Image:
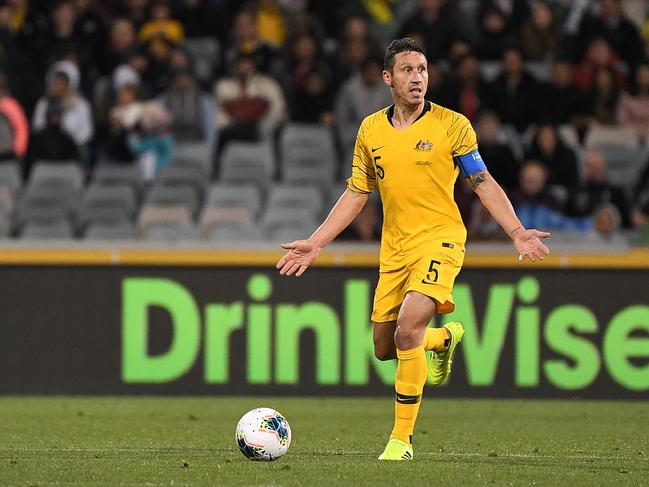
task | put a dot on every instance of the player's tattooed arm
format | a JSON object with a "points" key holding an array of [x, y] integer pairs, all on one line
{"points": [[477, 179]]}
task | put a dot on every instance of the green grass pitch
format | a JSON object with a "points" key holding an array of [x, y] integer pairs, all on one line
{"points": [[157, 441]]}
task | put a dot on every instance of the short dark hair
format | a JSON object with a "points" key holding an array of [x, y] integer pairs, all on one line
{"points": [[405, 44]]}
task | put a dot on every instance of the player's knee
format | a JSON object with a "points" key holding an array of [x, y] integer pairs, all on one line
{"points": [[384, 354], [384, 351], [406, 334]]}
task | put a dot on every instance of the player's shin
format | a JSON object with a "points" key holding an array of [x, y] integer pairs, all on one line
{"points": [[409, 385]]}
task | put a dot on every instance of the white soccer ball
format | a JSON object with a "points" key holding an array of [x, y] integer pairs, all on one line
{"points": [[263, 434]]}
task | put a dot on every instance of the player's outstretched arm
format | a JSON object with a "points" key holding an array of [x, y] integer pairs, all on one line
{"points": [[495, 200], [302, 252]]}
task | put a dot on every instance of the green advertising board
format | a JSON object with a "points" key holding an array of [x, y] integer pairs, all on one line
{"points": [[551, 333]]}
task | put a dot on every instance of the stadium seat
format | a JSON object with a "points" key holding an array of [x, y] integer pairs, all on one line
{"points": [[184, 175], [151, 216], [174, 196], [118, 196], [212, 217], [10, 176], [624, 164], [300, 220], [6, 201], [43, 231], [248, 163], [110, 231], [235, 196], [194, 153], [45, 203], [236, 233], [171, 232], [308, 153], [5, 225], [603, 136], [57, 173], [288, 234], [294, 196], [109, 174]]}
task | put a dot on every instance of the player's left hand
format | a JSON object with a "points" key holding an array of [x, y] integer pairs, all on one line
{"points": [[528, 243]]}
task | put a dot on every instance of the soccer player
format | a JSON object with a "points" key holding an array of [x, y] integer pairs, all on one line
{"points": [[414, 150]]}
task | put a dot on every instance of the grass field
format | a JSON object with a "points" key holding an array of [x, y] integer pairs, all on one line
{"points": [[190, 441]]}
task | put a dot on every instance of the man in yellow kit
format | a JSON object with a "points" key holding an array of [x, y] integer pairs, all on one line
{"points": [[414, 150]]}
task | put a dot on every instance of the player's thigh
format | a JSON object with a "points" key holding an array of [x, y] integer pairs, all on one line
{"points": [[389, 294], [383, 335], [416, 311], [434, 275]]}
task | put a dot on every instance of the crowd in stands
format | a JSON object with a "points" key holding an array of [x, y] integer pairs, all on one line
{"points": [[558, 91]]}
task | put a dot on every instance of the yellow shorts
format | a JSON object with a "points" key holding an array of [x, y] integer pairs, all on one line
{"points": [[433, 275]]}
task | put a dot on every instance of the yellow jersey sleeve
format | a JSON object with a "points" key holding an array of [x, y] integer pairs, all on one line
{"points": [[363, 178], [462, 136]]}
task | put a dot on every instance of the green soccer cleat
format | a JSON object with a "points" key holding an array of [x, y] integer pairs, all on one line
{"points": [[396, 450], [439, 363]]}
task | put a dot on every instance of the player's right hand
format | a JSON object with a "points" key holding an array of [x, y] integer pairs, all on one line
{"points": [[298, 258]]}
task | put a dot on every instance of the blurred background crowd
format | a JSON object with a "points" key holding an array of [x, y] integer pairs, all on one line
{"points": [[234, 120]]}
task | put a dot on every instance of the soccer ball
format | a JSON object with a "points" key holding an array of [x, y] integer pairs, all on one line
{"points": [[263, 434]]}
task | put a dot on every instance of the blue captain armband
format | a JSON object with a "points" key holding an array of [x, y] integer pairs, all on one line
{"points": [[470, 163]]}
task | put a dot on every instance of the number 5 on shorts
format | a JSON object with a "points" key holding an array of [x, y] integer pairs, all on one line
{"points": [[431, 271]]}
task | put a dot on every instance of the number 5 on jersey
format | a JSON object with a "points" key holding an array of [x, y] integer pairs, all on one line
{"points": [[379, 169]]}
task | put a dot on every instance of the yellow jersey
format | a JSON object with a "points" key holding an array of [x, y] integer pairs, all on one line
{"points": [[416, 172]]}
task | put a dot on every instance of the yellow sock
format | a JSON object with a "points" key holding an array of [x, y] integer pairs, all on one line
{"points": [[409, 384], [434, 339]]}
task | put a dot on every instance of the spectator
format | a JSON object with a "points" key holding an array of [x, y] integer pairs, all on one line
{"points": [[515, 94], [603, 99], [596, 191], [361, 95], [533, 194], [162, 32], [559, 159], [122, 45], [563, 102], [135, 10], [442, 89], [61, 40], [308, 83], [246, 41], [472, 92], [123, 118], [52, 142], [271, 23], [606, 226], [16, 61], [640, 198], [495, 32], [62, 84], [249, 105], [540, 34], [435, 24], [611, 24], [152, 143], [599, 55], [203, 18], [500, 158], [633, 107], [536, 205], [91, 31], [351, 54], [14, 127], [190, 108]]}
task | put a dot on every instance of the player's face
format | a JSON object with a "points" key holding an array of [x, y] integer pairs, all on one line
{"points": [[409, 77]]}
